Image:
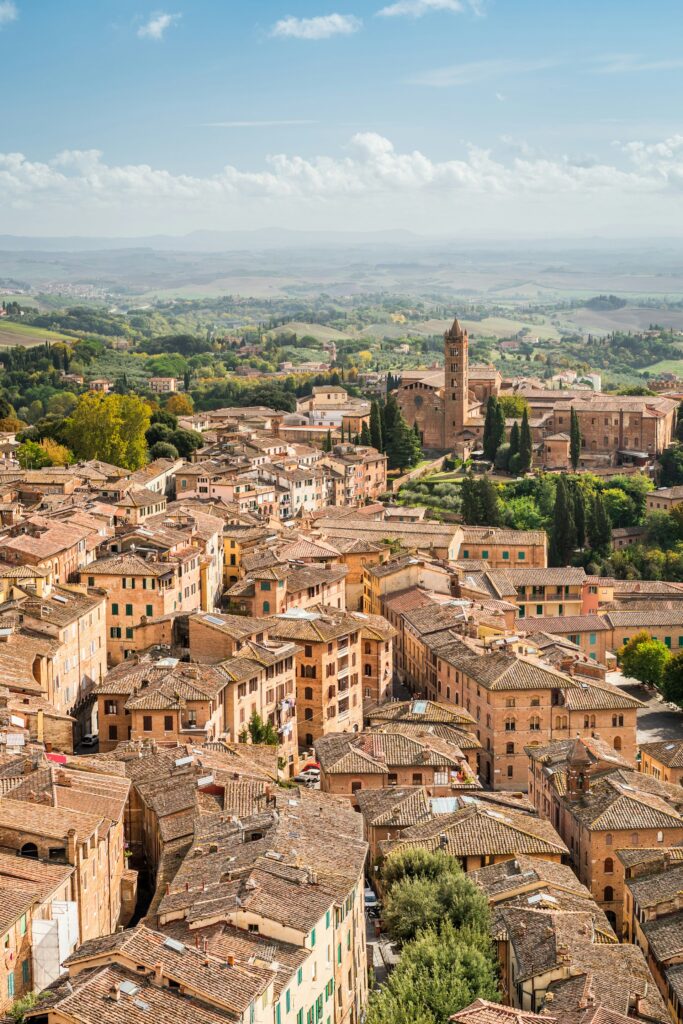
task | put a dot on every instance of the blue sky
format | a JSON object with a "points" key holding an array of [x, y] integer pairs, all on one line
{"points": [[478, 117]]}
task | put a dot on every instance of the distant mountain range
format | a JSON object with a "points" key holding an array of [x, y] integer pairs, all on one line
{"points": [[221, 241], [283, 238]]}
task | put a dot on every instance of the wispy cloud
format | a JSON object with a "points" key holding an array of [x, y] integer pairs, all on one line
{"points": [[418, 8], [8, 12], [321, 27], [628, 63], [257, 124], [156, 26], [480, 70]]}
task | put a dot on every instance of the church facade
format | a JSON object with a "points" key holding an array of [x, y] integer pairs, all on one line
{"points": [[449, 407]]}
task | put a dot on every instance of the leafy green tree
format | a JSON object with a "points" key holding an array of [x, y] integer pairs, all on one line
{"points": [[32, 455], [417, 903], [671, 461], [661, 530], [574, 440], [563, 531], [672, 680], [165, 417], [438, 974], [502, 459], [260, 731], [471, 511], [376, 426], [513, 406], [163, 450], [620, 507], [186, 441], [109, 427], [599, 526], [158, 432], [525, 444], [644, 658], [415, 862]]}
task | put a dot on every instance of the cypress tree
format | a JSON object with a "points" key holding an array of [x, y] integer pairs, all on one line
{"points": [[563, 530], [499, 425], [599, 527], [525, 444], [365, 435], [327, 443], [490, 442], [489, 506], [574, 440], [514, 439], [679, 423], [579, 513], [470, 501], [376, 439], [342, 432]]}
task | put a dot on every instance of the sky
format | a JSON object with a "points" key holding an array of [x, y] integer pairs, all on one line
{"points": [[476, 119]]}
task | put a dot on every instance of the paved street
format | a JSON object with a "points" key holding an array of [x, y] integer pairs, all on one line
{"points": [[656, 721]]}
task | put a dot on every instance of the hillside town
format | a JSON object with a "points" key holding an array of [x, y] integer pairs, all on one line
{"points": [[252, 708]]}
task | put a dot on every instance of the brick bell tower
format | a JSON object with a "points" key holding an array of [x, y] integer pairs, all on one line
{"points": [[456, 383]]}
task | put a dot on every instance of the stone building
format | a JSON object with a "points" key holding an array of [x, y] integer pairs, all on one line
{"points": [[329, 688], [663, 760], [599, 808], [449, 408], [378, 760]]}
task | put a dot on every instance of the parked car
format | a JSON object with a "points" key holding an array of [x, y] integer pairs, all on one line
{"points": [[310, 776], [89, 740], [371, 902]]}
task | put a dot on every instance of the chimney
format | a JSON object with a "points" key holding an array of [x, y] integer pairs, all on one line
{"points": [[231, 960], [71, 846], [158, 973], [115, 994]]}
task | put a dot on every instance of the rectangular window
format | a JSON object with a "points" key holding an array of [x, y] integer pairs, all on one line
{"points": [[506, 556], [265, 584], [114, 608], [327, 919], [22, 924], [484, 555], [299, 975], [10, 986], [115, 633], [465, 554], [149, 610], [539, 609], [592, 638], [168, 723], [91, 581], [129, 632], [300, 1017], [521, 555], [667, 641], [113, 732], [129, 609], [25, 972], [147, 723], [312, 938], [277, 1013], [288, 1001]]}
